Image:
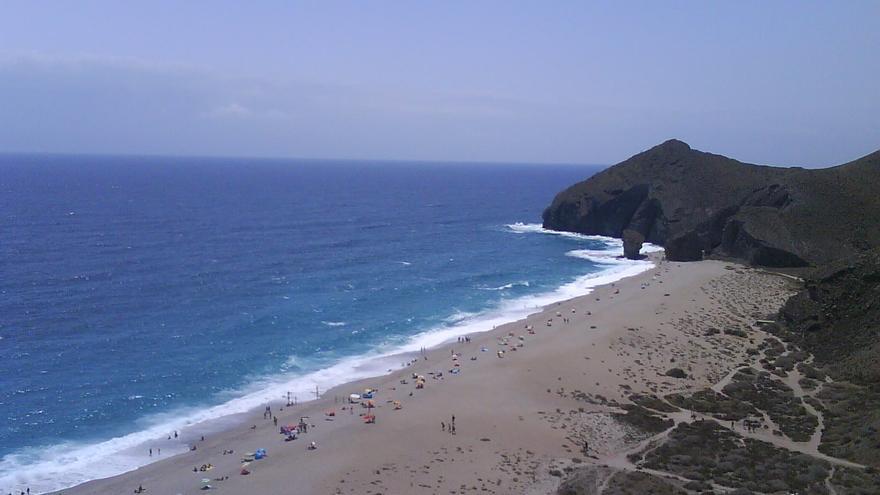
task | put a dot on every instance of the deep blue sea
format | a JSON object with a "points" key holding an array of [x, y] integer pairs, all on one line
{"points": [[142, 295]]}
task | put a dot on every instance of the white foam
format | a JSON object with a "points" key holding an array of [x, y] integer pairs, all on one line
{"points": [[537, 228], [511, 285], [334, 323], [68, 464]]}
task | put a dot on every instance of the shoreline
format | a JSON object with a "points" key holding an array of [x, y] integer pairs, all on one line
{"points": [[613, 269], [536, 361]]}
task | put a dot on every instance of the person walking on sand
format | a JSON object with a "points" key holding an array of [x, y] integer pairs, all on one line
{"points": [[151, 452], [442, 426]]}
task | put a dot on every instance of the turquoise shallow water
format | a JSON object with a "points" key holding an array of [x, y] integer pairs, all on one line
{"points": [[143, 295]]}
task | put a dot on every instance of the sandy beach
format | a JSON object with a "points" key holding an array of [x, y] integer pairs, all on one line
{"points": [[548, 401]]}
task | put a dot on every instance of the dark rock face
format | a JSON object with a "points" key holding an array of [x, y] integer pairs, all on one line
{"points": [[632, 243], [837, 318], [696, 203]]}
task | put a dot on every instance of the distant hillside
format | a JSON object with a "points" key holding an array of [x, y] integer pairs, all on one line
{"points": [[693, 202]]}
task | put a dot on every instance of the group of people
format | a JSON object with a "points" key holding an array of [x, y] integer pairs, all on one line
{"points": [[450, 427], [750, 425]]}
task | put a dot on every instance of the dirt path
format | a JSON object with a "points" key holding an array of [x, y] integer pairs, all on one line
{"points": [[770, 433]]}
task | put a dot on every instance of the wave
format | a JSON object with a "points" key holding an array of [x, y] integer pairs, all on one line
{"points": [[63, 465], [537, 228], [610, 255], [458, 316], [507, 286], [60, 466], [334, 323]]}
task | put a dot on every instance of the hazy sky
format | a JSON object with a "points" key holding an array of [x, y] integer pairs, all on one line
{"points": [[788, 83]]}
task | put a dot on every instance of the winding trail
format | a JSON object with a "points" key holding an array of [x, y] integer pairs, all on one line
{"points": [[792, 380]]}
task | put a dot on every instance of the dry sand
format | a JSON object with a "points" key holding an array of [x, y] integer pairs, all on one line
{"points": [[516, 417]]}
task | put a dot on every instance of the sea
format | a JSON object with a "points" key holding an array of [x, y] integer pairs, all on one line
{"points": [[140, 296]]}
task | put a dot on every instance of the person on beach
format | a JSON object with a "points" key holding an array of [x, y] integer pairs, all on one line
{"points": [[151, 452], [442, 426]]}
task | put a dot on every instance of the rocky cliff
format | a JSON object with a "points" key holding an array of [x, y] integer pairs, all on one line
{"points": [[836, 317], [695, 203]]}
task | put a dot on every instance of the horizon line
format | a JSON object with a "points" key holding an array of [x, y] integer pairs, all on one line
{"points": [[292, 158]]}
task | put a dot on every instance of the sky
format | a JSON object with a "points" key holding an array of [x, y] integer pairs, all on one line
{"points": [[781, 83]]}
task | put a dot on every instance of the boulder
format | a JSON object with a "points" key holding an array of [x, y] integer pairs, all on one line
{"points": [[632, 244]]}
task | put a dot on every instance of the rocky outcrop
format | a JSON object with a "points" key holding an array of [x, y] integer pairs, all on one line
{"points": [[632, 243], [696, 204]]}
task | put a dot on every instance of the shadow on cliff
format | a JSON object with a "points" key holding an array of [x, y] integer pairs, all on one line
{"points": [[698, 204]]}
